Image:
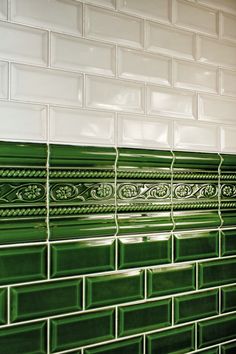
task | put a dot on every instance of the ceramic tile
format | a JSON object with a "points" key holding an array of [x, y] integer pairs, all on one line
{"points": [[112, 289], [228, 27], [3, 306], [196, 219], [144, 317], [228, 242], [228, 348], [4, 79], [228, 138], [208, 351], [228, 217], [228, 296], [226, 5], [228, 81], [218, 272], [127, 347], [3, 9], [106, 3], [216, 110]]}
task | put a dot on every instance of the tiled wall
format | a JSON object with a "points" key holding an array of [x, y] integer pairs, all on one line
{"points": [[116, 251], [153, 73]]}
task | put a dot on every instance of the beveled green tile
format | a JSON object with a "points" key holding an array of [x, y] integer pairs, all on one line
{"points": [[82, 257], [3, 306], [45, 299], [74, 331], [196, 245], [132, 346], [228, 217], [113, 289], [171, 280], [20, 231], [228, 242], [144, 317], [217, 330], [144, 251], [214, 273], [208, 351], [21, 264], [228, 162], [27, 339], [228, 296], [229, 348], [173, 341], [196, 161], [200, 219], [195, 306]]}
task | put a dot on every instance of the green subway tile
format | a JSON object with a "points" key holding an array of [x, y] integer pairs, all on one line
{"points": [[217, 330], [196, 160], [27, 339], [45, 299], [195, 306], [144, 317], [21, 264], [228, 242], [228, 298], [144, 251], [82, 257], [196, 245], [132, 346], [3, 306], [21, 231], [171, 279], [228, 217], [228, 163], [174, 341], [228, 348], [200, 219], [208, 351], [214, 273], [74, 331], [116, 288]]}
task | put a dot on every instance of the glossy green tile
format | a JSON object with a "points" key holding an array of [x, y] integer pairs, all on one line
{"points": [[45, 299], [208, 351], [228, 217], [195, 306], [27, 339], [196, 161], [82, 257], [21, 264], [200, 219], [196, 245], [3, 306], [144, 317], [229, 348], [228, 296], [74, 331], [113, 289], [217, 330], [144, 251], [20, 231], [132, 346], [228, 162], [178, 340], [171, 280], [214, 273], [228, 242]]}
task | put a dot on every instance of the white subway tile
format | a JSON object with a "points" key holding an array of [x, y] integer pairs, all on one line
{"points": [[21, 121], [216, 52], [21, 43], [81, 54], [217, 109], [228, 82], [152, 133], [195, 17], [171, 102], [61, 15], [157, 10], [196, 136], [228, 26], [167, 40], [107, 3], [45, 85], [226, 5], [81, 126], [3, 9], [3, 80], [195, 76], [228, 139], [112, 26], [114, 94], [144, 66]]}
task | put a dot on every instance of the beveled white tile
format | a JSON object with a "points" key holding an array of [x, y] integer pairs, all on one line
{"points": [[216, 52], [217, 109], [81, 54], [21, 43], [3, 9], [195, 76], [21, 121], [114, 27], [114, 94], [133, 64], [143, 132], [3, 79], [170, 41], [61, 15], [157, 10], [228, 138], [227, 5], [171, 102], [107, 3], [196, 136], [81, 126], [195, 17], [228, 82], [44, 85], [228, 27]]}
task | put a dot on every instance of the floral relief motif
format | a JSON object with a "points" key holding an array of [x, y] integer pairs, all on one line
{"points": [[195, 191], [228, 190], [65, 192], [102, 191], [183, 191], [127, 191], [32, 192]]}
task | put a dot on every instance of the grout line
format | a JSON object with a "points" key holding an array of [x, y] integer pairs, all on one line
{"points": [[116, 323], [145, 284], [196, 337], [173, 311], [144, 344], [48, 337], [220, 300], [83, 294], [8, 305], [197, 275]]}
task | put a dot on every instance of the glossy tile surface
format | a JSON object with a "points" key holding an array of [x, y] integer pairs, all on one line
{"points": [[217, 273], [3, 306], [228, 298], [124, 347], [228, 348], [228, 239]]}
